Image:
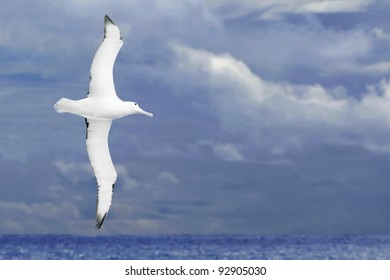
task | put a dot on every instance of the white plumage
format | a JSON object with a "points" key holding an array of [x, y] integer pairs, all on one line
{"points": [[101, 106]]}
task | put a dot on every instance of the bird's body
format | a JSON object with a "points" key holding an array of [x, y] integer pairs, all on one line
{"points": [[100, 108], [96, 108]]}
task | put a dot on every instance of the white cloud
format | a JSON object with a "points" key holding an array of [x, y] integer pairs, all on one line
{"points": [[276, 9], [129, 183], [22, 217], [379, 33], [380, 67], [248, 105], [15, 207], [375, 105], [224, 151], [167, 178], [74, 171], [335, 6], [239, 95], [354, 44], [228, 152]]}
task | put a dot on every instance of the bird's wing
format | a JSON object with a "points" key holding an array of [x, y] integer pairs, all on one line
{"points": [[99, 155], [102, 81]]}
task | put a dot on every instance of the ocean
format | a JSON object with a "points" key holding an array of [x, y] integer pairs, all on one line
{"points": [[194, 247]]}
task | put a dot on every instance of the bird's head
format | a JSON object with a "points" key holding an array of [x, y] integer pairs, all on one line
{"points": [[134, 108]]}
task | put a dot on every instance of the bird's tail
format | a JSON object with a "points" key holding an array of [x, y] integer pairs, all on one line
{"points": [[63, 105]]}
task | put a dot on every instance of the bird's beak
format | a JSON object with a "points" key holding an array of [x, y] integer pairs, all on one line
{"points": [[145, 113], [148, 114]]}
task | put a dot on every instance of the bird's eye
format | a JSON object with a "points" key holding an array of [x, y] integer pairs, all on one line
{"points": [[135, 104]]}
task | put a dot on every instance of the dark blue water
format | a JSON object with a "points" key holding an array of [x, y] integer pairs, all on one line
{"points": [[44, 247]]}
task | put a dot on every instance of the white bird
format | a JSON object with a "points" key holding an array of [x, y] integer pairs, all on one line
{"points": [[100, 108]]}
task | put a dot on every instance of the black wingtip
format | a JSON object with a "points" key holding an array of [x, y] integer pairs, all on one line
{"points": [[108, 20], [99, 221]]}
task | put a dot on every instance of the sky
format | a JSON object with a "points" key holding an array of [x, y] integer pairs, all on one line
{"points": [[270, 117]]}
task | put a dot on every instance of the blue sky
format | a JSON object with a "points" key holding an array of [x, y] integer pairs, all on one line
{"points": [[271, 117]]}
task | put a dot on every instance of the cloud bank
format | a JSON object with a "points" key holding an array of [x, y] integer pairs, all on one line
{"points": [[290, 114]]}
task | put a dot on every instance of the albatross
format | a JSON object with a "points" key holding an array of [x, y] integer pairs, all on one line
{"points": [[100, 108]]}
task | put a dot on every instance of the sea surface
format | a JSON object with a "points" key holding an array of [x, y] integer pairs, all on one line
{"points": [[195, 247]]}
